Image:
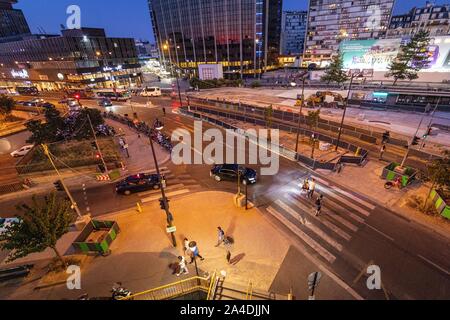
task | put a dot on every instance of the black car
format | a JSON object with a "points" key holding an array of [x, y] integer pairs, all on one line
{"points": [[105, 102], [231, 171], [48, 105], [138, 183]]}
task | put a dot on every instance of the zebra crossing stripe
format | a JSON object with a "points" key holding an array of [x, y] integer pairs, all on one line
{"points": [[170, 194], [326, 223], [346, 202], [348, 195], [307, 239], [311, 226], [171, 187]]}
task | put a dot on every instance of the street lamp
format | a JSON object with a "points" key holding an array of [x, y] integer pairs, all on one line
{"points": [[353, 76], [164, 198], [303, 76]]}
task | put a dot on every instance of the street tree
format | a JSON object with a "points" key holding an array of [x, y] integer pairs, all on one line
{"points": [[6, 105], [411, 58], [439, 173], [335, 72], [40, 227]]}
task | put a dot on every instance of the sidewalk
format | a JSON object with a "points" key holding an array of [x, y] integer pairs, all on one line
{"points": [[143, 251]]}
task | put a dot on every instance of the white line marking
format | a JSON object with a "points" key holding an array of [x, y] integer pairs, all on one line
{"points": [[171, 187], [349, 195], [310, 226], [326, 223], [380, 232], [345, 201], [170, 194], [434, 264], [312, 243]]}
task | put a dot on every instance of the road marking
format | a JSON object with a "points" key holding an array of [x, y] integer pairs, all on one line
{"points": [[326, 223], [343, 222], [434, 264], [311, 227], [349, 195], [171, 187], [345, 201], [308, 240], [170, 194], [380, 232]]}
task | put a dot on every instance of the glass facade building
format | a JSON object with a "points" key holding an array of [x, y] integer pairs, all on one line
{"points": [[293, 32], [12, 22], [242, 35]]}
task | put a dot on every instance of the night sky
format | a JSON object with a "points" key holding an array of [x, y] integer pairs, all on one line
{"points": [[128, 18]]}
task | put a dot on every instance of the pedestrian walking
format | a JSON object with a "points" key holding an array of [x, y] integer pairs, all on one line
{"points": [[195, 252], [305, 186], [220, 236], [164, 111], [182, 266], [228, 242], [312, 188], [382, 151], [319, 203]]}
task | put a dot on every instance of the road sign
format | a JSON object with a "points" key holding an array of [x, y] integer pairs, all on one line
{"points": [[171, 229], [314, 280]]}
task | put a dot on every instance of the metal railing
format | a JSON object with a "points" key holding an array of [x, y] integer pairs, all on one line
{"points": [[249, 294], [177, 289]]}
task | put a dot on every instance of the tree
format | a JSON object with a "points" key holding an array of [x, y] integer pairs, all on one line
{"points": [[334, 73], [47, 132], [439, 173], [412, 57], [41, 226], [6, 105]]}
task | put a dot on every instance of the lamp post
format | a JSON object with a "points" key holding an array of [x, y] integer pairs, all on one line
{"points": [[164, 198], [353, 76], [301, 110]]}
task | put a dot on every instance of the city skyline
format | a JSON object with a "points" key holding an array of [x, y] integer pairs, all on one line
{"points": [[137, 18]]}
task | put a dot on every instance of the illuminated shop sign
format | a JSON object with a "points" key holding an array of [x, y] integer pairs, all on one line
{"points": [[23, 74], [118, 68]]}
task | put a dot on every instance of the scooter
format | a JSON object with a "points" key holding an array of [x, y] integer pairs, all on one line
{"points": [[119, 292]]}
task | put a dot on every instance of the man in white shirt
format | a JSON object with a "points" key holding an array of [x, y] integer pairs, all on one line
{"points": [[312, 188], [183, 267]]}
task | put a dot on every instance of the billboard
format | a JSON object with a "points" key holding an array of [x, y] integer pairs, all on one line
{"points": [[378, 54]]}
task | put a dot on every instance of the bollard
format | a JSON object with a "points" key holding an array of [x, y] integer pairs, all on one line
{"points": [[358, 152], [139, 208]]}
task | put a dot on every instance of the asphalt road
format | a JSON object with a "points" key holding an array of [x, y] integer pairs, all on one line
{"points": [[351, 234]]}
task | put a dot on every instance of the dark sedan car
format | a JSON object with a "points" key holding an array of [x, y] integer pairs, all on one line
{"points": [[105, 102], [231, 171], [138, 183]]}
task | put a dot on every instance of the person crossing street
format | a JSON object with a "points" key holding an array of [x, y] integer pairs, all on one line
{"points": [[319, 203]]}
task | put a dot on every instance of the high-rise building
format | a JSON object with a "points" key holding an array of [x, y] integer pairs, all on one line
{"points": [[332, 21], [293, 32], [13, 24], [242, 35], [78, 58], [432, 18]]}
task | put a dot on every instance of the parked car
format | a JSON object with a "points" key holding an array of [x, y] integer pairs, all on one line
{"points": [[230, 172], [38, 100], [47, 105], [105, 102], [138, 183], [22, 151], [6, 222]]}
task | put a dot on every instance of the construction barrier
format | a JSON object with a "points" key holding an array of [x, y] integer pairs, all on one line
{"points": [[441, 206]]}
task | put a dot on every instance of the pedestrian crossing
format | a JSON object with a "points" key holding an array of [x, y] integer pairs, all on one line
{"points": [[176, 185], [343, 215]]}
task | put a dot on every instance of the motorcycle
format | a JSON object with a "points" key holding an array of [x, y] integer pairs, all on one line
{"points": [[119, 292]]}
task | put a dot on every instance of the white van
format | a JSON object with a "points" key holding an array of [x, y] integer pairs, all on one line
{"points": [[151, 92]]}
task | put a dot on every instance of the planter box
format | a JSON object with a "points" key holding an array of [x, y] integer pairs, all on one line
{"points": [[97, 237], [390, 174], [442, 207]]}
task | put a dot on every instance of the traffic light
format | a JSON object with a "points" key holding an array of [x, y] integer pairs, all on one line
{"points": [[163, 203], [428, 133], [77, 96], [94, 146], [415, 141], [386, 137], [58, 185], [97, 156]]}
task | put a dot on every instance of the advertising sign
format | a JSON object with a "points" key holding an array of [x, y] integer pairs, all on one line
{"points": [[376, 55]]}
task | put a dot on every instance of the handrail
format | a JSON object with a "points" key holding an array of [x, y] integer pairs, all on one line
{"points": [[176, 285], [212, 285]]}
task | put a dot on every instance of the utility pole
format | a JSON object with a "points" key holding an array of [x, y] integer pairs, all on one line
{"points": [[72, 200], [413, 141], [431, 123], [179, 90], [300, 114], [164, 198], [345, 111], [96, 143]]}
